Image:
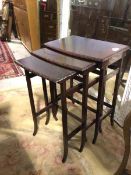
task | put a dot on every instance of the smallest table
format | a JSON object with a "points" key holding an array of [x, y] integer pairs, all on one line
{"points": [[55, 74]]}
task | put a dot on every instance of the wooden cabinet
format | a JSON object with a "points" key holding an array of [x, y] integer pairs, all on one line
{"points": [[88, 22], [48, 22], [119, 35], [27, 21]]}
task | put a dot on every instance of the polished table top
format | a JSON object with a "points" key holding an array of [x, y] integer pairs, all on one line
{"points": [[44, 69], [63, 60], [87, 49]]}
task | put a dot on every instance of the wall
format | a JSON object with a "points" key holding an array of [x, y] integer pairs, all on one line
{"points": [[65, 14]]}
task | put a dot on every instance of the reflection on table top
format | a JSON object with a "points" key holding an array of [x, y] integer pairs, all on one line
{"points": [[85, 48]]}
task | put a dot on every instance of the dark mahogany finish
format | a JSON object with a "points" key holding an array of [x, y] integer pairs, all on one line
{"points": [[63, 60], [83, 67], [57, 74], [49, 71], [103, 53], [87, 49]]}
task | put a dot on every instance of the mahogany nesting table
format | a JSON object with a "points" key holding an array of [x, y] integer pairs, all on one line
{"points": [[71, 58], [104, 54], [58, 75]]}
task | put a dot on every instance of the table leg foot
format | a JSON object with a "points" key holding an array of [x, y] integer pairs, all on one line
{"points": [[100, 128], [95, 135], [47, 118], [35, 127], [82, 147], [65, 155], [54, 115], [112, 121]]}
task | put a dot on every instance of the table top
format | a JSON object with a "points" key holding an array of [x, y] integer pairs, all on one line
{"points": [[87, 49], [63, 60], [46, 70]]}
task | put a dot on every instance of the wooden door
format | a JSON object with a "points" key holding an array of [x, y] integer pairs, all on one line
{"points": [[20, 4], [23, 26]]}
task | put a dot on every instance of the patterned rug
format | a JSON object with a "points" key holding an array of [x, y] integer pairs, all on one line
{"points": [[23, 154], [8, 68]]}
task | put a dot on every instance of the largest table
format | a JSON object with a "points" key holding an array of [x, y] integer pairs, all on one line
{"points": [[104, 54]]}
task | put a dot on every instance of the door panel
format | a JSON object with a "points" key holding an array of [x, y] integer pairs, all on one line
{"points": [[23, 26], [20, 3]]}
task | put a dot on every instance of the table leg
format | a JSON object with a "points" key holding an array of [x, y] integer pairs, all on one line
{"points": [[64, 120], [100, 101], [31, 102], [46, 100], [84, 110], [116, 88], [53, 93]]}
